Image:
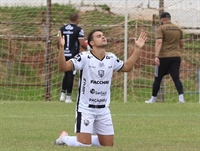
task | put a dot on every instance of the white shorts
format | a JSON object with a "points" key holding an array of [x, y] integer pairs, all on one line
{"points": [[94, 124]]}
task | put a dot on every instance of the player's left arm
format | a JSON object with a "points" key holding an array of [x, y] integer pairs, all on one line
{"points": [[139, 43]]}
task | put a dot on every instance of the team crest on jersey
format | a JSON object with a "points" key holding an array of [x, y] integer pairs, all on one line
{"points": [[86, 122], [101, 73]]}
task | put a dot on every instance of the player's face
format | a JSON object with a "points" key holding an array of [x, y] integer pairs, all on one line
{"points": [[99, 39]]}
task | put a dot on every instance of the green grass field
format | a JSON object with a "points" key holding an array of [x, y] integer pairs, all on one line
{"points": [[33, 126]]}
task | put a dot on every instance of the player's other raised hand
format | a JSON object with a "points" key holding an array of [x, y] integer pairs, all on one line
{"points": [[60, 40], [141, 40]]}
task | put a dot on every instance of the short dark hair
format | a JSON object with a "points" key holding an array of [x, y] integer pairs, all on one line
{"points": [[165, 15], [90, 36], [73, 17]]}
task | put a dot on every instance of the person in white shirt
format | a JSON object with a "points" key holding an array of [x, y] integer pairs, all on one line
{"points": [[96, 67]]}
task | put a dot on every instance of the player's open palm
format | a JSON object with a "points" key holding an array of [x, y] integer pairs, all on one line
{"points": [[61, 41], [141, 40]]}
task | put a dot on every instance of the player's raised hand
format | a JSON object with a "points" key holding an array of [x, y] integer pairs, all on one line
{"points": [[141, 40], [60, 40]]}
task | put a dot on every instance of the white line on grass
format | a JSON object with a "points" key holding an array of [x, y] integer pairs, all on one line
{"points": [[134, 115]]}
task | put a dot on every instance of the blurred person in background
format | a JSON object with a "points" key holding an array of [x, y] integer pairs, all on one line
{"points": [[74, 38], [169, 42]]}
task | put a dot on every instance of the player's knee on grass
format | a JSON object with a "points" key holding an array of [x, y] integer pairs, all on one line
{"points": [[84, 138], [106, 140]]}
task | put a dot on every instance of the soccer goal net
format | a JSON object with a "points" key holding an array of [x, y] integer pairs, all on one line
{"points": [[28, 52]]}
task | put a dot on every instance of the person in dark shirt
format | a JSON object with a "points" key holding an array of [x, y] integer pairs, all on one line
{"points": [[74, 39]]}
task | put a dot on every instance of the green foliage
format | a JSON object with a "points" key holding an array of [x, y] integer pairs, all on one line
{"points": [[194, 46], [60, 13], [105, 7], [4, 49], [192, 60], [22, 73], [148, 69], [27, 15], [3, 53], [101, 18], [22, 92], [143, 81], [20, 20]]}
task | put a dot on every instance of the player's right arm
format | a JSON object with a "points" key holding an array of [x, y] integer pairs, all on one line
{"points": [[81, 40], [63, 65]]}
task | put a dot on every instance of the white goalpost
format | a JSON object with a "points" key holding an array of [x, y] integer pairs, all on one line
{"points": [[125, 47]]}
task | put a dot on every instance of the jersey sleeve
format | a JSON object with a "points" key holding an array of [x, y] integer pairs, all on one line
{"points": [[81, 34], [118, 64], [78, 61]]}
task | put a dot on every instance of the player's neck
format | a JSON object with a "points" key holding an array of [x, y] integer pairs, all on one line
{"points": [[75, 23], [99, 52], [167, 22]]}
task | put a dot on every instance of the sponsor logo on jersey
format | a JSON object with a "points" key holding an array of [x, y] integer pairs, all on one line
{"points": [[68, 54], [84, 83], [97, 100], [107, 57], [67, 32], [99, 82], [66, 50], [101, 73], [92, 67], [93, 91], [69, 27]]}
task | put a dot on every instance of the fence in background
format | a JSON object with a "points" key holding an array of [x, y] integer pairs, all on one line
{"points": [[28, 54]]}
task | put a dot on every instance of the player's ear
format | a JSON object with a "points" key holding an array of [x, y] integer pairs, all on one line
{"points": [[91, 43]]}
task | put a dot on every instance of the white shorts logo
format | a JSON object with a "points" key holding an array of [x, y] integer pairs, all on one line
{"points": [[86, 122]]}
